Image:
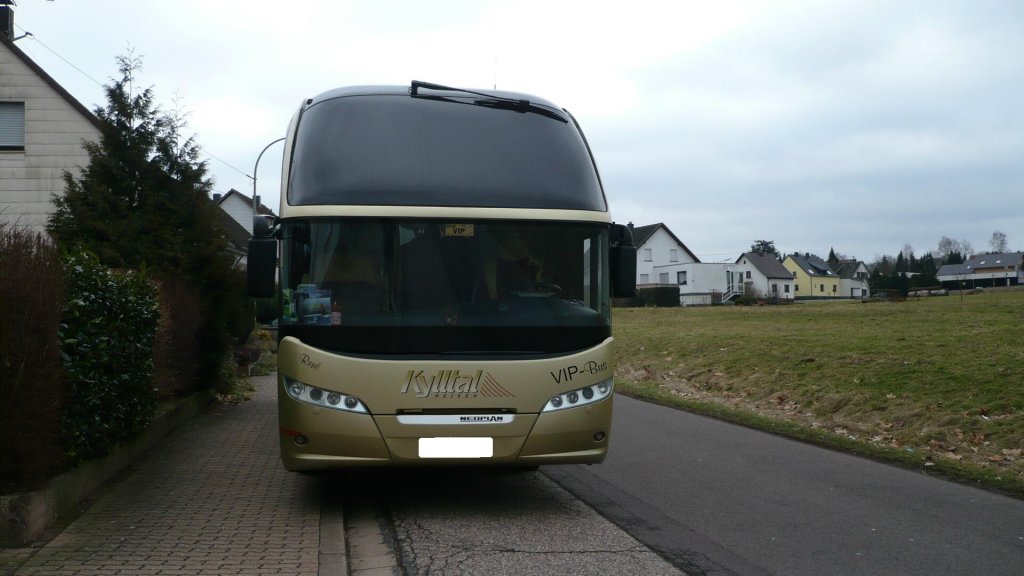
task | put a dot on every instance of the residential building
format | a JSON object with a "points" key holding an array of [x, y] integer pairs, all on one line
{"points": [[853, 279], [984, 270], [765, 277], [42, 128], [812, 276], [237, 208], [663, 259], [657, 247]]}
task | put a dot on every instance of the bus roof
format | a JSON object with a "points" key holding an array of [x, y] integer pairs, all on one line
{"points": [[396, 146]]}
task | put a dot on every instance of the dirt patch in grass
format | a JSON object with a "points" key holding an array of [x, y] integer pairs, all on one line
{"points": [[936, 383]]}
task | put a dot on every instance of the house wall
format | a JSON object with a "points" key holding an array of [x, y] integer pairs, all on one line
{"points": [[853, 288], [761, 285], [702, 279], [807, 286], [54, 131], [660, 244], [240, 209]]}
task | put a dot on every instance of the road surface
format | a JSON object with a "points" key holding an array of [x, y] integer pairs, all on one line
{"points": [[716, 498]]}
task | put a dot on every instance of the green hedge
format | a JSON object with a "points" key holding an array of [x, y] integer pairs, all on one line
{"points": [[658, 296], [106, 335]]}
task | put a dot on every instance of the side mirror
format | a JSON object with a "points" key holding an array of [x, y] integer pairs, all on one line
{"points": [[622, 261], [261, 264], [261, 267]]}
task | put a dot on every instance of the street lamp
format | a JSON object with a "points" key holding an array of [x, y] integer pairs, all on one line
{"points": [[255, 198]]}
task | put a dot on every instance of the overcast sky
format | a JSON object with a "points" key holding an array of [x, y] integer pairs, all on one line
{"points": [[858, 125]]}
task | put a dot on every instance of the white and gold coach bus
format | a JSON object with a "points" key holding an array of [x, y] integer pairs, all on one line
{"points": [[445, 263]]}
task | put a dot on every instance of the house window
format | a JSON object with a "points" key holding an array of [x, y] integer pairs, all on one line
{"points": [[673, 255], [645, 279], [12, 126], [835, 288], [748, 274], [785, 288], [821, 287], [648, 255], [663, 278], [796, 288], [775, 288], [681, 277]]}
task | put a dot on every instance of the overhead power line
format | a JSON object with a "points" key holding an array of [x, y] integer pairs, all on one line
{"points": [[28, 34], [54, 52]]}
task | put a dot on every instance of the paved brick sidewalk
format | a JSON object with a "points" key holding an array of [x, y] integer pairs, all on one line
{"points": [[212, 499]]}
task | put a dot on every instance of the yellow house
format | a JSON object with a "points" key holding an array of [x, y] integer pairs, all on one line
{"points": [[812, 277]]}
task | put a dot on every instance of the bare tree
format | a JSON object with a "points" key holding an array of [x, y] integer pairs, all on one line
{"points": [[998, 242], [947, 245]]}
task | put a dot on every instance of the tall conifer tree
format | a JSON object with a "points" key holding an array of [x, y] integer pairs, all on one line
{"points": [[143, 203]]}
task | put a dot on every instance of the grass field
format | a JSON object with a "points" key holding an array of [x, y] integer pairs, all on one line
{"points": [[936, 382]]}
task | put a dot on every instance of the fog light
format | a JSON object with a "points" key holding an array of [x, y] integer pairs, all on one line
{"points": [[588, 393], [316, 394], [296, 388], [333, 398], [599, 436], [301, 440], [351, 402], [573, 397]]}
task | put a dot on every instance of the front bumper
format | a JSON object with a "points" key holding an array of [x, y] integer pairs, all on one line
{"points": [[314, 438]]}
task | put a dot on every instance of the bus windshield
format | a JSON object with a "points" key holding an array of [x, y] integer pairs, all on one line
{"points": [[449, 286]]}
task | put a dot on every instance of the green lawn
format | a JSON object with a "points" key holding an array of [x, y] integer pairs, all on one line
{"points": [[934, 382]]}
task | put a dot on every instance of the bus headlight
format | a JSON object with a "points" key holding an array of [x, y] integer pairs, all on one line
{"points": [[323, 398], [580, 396]]}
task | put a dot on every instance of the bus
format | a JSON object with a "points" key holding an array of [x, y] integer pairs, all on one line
{"points": [[444, 263]]}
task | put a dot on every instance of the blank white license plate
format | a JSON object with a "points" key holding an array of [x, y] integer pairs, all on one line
{"points": [[456, 447]]}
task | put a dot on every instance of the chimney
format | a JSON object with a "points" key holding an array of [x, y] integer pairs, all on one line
{"points": [[7, 18], [217, 196]]}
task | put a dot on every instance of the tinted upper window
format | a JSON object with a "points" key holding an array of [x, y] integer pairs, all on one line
{"points": [[387, 149]]}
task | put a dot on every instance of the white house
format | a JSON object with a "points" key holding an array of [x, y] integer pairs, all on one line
{"points": [[238, 223], [703, 283], [663, 259], [764, 276], [657, 246], [853, 279], [42, 128]]}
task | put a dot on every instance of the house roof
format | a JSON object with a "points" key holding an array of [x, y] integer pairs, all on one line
{"points": [[262, 209], [641, 234], [812, 265], [847, 269], [50, 81], [952, 270], [1000, 260], [767, 265]]}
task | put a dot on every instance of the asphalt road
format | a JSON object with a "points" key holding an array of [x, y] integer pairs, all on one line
{"points": [[715, 498]]}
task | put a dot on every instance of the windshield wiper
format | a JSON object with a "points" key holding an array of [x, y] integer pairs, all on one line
{"points": [[489, 100]]}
